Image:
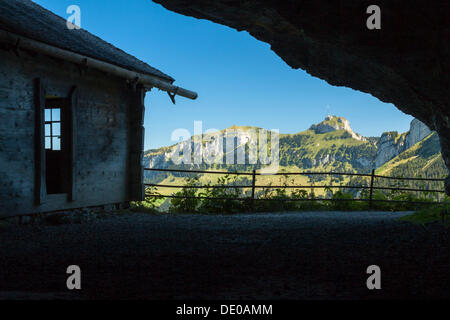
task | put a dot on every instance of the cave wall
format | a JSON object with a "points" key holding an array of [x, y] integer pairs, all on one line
{"points": [[406, 62]]}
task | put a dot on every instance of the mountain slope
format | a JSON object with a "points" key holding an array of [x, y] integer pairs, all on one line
{"points": [[330, 145], [423, 159], [332, 150]]}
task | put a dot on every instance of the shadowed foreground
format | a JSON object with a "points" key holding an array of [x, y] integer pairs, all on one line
{"points": [[259, 256]]}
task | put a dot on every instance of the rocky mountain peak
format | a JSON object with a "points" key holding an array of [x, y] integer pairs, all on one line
{"points": [[335, 123]]}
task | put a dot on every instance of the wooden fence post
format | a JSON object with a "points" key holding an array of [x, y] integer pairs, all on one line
{"points": [[253, 189], [372, 179]]}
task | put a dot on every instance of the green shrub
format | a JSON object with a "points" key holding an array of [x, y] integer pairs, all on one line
{"points": [[268, 200], [151, 202], [227, 203], [272, 199], [344, 202], [437, 213], [186, 204], [380, 203]]}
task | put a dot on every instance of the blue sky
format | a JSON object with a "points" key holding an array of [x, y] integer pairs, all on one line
{"points": [[240, 81]]}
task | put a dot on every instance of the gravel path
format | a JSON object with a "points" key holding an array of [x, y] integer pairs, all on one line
{"points": [[250, 256]]}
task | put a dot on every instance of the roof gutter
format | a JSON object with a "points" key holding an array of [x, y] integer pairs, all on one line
{"points": [[146, 80]]}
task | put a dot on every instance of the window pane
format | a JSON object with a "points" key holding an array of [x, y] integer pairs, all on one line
{"points": [[56, 129], [48, 143], [56, 143], [56, 115], [47, 130], [48, 114]]}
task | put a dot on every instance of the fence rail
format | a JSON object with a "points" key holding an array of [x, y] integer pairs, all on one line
{"points": [[253, 186], [331, 173]]}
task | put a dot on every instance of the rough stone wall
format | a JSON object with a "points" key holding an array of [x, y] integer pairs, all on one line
{"points": [[102, 126], [405, 63]]}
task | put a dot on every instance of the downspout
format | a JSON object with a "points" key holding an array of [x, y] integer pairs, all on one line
{"points": [[146, 80]]}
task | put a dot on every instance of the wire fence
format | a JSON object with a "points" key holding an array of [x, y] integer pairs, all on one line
{"points": [[371, 187]]}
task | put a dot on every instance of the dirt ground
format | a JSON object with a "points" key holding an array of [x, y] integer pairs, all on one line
{"points": [[317, 255]]}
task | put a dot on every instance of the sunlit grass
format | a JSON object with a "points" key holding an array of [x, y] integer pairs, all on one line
{"points": [[439, 213]]}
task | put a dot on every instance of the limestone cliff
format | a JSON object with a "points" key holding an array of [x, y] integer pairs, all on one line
{"points": [[391, 144]]}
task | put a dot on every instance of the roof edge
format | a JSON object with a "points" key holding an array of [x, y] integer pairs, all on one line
{"points": [[146, 80]]}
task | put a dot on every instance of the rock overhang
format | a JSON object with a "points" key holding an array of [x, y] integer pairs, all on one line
{"points": [[405, 62]]}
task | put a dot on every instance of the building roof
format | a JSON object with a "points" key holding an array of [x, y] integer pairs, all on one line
{"points": [[26, 18]]}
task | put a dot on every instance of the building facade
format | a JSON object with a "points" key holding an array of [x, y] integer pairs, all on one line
{"points": [[71, 129]]}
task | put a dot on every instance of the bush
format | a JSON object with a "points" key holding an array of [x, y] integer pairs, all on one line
{"points": [[227, 204], [269, 201], [224, 201], [273, 199], [186, 204], [344, 202], [151, 202]]}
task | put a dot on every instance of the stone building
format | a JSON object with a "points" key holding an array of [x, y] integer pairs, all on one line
{"points": [[71, 110]]}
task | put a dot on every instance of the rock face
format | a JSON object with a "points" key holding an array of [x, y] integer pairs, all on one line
{"points": [[417, 132], [334, 123], [405, 62], [391, 144]]}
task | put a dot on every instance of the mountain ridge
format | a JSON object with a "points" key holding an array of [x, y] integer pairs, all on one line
{"points": [[327, 145]]}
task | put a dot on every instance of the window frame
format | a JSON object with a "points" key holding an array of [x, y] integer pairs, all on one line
{"points": [[51, 122]]}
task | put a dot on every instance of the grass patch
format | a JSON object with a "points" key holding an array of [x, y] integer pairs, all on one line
{"points": [[150, 204], [141, 207], [439, 213]]}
